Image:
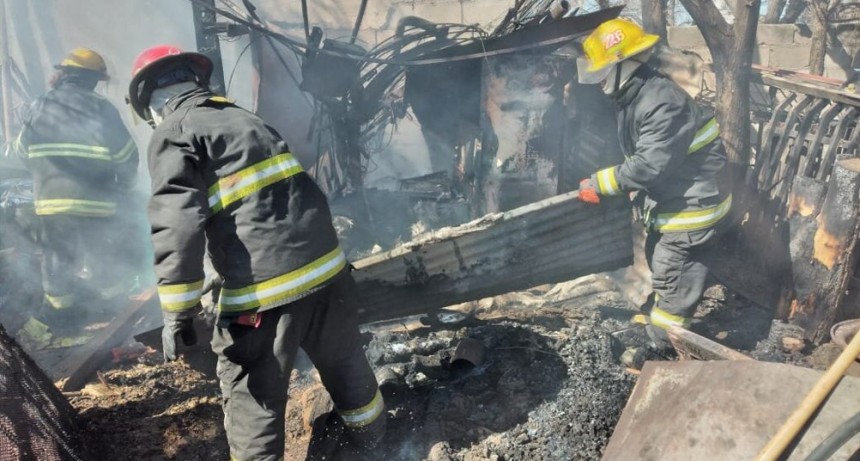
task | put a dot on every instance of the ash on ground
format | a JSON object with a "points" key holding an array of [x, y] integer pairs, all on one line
{"points": [[545, 388]]}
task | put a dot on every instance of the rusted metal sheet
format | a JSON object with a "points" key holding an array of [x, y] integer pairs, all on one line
{"points": [[693, 410], [550, 241]]}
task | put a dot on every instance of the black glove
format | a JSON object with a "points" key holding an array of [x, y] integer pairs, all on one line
{"points": [[177, 323]]}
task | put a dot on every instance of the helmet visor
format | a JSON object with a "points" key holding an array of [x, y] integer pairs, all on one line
{"points": [[586, 77]]}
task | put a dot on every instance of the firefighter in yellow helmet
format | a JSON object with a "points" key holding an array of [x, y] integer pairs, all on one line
{"points": [[83, 162], [673, 155]]}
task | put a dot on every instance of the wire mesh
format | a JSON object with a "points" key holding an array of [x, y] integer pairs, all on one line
{"points": [[36, 421]]}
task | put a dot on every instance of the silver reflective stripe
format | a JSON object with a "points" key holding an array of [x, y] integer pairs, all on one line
{"points": [[607, 182], [69, 150], [250, 179], [365, 415], [192, 295], [705, 135], [693, 220], [292, 283], [664, 319], [125, 152]]}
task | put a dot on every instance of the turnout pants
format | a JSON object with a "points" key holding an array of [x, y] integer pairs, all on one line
{"points": [[678, 271], [68, 244], [254, 365]]}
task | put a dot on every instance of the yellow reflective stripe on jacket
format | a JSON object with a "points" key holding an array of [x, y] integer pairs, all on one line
{"points": [[664, 319], [607, 182], [233, 188], [60, 302], [693, 219], [283, 287], [704, 136], [74, 207], [365, 415], [125, 152], [69, 150], [180, 297]]}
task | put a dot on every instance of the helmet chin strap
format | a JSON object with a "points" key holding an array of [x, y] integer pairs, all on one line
{"points": [[617, 85], [623, 71], [613, 82]]}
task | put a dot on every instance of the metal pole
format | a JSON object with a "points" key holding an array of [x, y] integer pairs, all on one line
{"points": [[4, 74], [207, 41]]}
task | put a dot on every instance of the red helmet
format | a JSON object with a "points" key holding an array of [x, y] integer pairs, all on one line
{"points": [[151, 63]]}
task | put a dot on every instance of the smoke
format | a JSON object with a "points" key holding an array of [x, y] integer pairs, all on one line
{"points": [[38, 36]]}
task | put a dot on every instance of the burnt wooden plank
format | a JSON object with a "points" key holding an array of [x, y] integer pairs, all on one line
{"points": [[812, 89], [762, 158], [692, 346], [829, 158], [851, 146], [550, 241], [816, 150], [83, 364], [782, 131], [792, 161], [823, 257]]}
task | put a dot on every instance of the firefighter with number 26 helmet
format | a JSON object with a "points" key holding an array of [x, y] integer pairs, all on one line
{"points": [[673, 155]]}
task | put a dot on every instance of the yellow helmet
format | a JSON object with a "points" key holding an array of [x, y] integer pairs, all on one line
{"points": [[84, 58], [610, 43]]}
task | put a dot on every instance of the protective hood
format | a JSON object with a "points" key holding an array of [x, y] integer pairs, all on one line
{"points": [[609, 76], [161, 96]]}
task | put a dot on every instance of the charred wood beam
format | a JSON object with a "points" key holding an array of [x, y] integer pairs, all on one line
{"points": [[821, 91], [823, 264], [827, 161], [550, 241], [82, 365], [763, 156], [793, 159], [781, 134], [804, 205], [692, 346], [814, 158]]}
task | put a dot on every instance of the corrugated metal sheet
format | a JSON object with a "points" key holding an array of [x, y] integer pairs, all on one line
{"points": [[550, 241]]}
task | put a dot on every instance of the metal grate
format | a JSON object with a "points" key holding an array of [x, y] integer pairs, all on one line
{"points": [[36, 421]]}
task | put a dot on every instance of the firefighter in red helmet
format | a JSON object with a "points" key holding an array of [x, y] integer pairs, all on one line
{"points": [[221, 177]]}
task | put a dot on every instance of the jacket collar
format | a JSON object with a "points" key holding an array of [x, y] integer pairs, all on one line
{"points": [[631, 89], [192, 97]]}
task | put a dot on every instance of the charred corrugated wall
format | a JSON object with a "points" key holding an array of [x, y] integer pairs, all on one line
{"points": [[36, 421]]}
